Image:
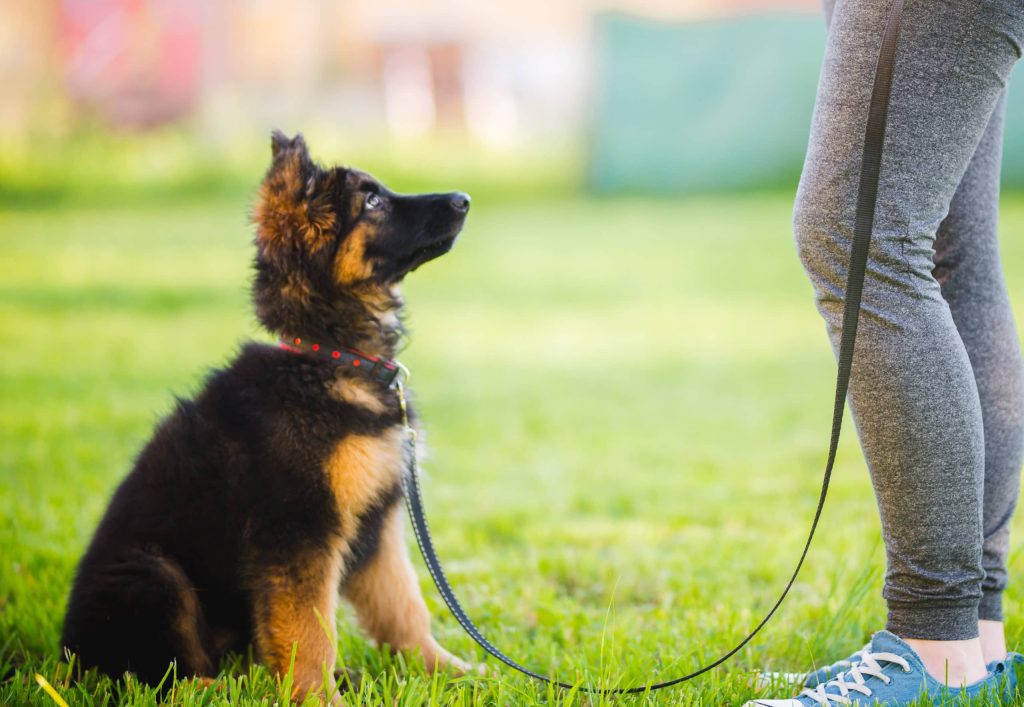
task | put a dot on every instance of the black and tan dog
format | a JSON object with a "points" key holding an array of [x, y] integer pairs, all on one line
{"points": [[277, 488]]}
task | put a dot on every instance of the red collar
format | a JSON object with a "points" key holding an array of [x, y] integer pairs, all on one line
{"points": [[379, 369]]}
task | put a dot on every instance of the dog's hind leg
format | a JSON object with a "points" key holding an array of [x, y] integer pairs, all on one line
{"points": [[386, 596], [138, 613]]}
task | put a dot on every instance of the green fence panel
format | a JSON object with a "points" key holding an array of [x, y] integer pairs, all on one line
{"points": [[1013, 143], [714, 106]]}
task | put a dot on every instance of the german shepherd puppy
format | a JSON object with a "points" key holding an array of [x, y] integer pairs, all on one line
{"points": [[255, 504]]}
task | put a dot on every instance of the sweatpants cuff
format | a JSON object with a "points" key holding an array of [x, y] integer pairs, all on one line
{"points": [[933, 623], [991, 606]]}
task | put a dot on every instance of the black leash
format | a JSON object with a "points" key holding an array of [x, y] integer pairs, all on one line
{"points": [[866, 199]]}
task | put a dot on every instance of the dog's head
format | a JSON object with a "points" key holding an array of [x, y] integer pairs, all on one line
{"points": [[330, 240]]}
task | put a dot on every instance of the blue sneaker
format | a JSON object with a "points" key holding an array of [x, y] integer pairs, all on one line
{"points": [[889, 673], [812, 679], [823, 675], [1007, 669], [830, 672]]}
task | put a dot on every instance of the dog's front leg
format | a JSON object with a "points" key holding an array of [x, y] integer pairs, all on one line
{"points": [[295, 608], [387, 599]]}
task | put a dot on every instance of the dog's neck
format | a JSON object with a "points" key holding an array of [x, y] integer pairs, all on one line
{"points": [[365, 319], [383, 332]]}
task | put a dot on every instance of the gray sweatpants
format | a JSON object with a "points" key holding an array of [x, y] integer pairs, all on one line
{"points": [[937, 391]]}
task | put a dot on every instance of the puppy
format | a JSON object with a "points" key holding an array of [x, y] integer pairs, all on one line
{"points": [[277, 488]]}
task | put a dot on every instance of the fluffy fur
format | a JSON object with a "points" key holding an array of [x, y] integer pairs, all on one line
{"points": [[255, 504]]}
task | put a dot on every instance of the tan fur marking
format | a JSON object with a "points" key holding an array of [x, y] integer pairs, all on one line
{"points": [[361, 468], [320, 224], [350, 264], [296, 606], [358, 392], [285, 216], [387, 599]]}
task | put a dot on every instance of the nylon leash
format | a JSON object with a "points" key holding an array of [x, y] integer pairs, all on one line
{"points": [[867, 197]]}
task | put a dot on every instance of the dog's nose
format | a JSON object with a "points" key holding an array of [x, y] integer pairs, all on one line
{"points": [[459, 201]]}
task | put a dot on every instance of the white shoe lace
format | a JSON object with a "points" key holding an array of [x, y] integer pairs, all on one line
{"points": [[853, 679]]}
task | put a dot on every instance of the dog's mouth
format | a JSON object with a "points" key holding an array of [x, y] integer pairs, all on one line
{"points": [[431, 251]]}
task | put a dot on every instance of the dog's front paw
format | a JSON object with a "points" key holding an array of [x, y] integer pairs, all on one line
{"points": [[460, 667], [437, 658]]}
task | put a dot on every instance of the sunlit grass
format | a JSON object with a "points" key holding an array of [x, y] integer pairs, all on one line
{"points": [[627, 404]]}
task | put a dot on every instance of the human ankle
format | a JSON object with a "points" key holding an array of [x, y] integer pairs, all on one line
{"points": [[953, 663], [993, 640]]}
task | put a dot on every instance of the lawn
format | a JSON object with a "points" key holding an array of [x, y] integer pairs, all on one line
{"points": [[627, 404]]}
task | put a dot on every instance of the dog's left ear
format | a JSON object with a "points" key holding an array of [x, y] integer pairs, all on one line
{"points": [[291, 156], [289, 213], [295, 147], [279, 142]]}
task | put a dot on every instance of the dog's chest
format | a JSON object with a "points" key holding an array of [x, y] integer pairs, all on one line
{"points": [[363, 469]]}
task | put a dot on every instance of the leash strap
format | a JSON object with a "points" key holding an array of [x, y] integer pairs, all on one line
{"points": [[866, 200]]}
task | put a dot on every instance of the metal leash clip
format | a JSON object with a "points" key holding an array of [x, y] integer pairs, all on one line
{"points": [[400, 381]]}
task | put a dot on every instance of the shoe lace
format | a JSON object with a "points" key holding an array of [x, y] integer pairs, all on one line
{"points": [[837, 691]]}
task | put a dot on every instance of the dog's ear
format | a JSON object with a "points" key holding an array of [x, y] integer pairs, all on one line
{"points": [[281, 143], [292, 211], [290, 153]]}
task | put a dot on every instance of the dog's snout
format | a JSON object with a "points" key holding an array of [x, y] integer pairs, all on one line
{"points": [[459, 201]]}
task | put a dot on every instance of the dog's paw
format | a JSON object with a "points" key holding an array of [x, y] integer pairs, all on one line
{"points": [[486, 670], [458, 667], [481, 670], [437, 658]]}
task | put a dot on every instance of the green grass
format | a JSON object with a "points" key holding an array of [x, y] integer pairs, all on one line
{"points": [[627, 404]]}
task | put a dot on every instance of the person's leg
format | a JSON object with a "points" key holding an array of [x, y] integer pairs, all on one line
{"points": [[913, 394], [967, 266], [969, 271], [967, 246]]}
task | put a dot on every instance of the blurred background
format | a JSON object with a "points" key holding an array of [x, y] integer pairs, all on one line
{"points": [[606, 95], [620, 366]]}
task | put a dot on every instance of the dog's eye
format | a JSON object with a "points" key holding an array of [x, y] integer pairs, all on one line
{"points": [[373, 201]]}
